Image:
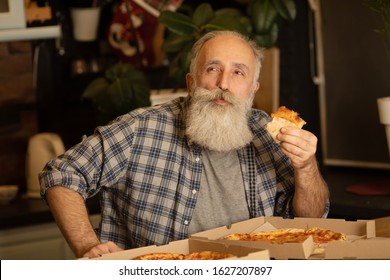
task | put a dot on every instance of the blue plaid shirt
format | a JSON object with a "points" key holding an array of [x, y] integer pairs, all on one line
{"points": [[148, 174]]}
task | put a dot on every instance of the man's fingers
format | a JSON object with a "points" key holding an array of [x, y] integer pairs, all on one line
{"points": [[101, 249]]}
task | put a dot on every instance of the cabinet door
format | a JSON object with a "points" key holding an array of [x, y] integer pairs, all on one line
{"points": [[356, 73]]}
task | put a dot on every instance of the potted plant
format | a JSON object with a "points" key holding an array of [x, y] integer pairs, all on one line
{"points": [[121, 89], [258, 19]]}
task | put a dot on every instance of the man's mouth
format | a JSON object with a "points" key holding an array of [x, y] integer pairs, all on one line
{"points": [[221, 102]]}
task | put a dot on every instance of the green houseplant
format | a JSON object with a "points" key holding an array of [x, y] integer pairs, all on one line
{"points": [[259, 19], [121, 89]]}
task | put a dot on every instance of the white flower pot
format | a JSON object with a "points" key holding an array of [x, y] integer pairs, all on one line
{"points": [[85, 23], [384, 115]]}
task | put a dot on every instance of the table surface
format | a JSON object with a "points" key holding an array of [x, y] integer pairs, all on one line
{"points": [[352, 206]]}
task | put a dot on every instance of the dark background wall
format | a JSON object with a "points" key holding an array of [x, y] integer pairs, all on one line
{"points": [[356, 74]]}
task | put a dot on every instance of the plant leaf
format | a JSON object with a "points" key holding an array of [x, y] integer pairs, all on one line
{"points": [[95, 88], [264, 15], [118, 70], [117, 92], [228, 11], [227, 22], [242, 1], [202, 14], [286, 9], [177, 23], [269, 39], [245, 21], [175, 43]]}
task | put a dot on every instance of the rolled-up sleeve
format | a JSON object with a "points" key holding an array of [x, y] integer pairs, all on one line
{"points": [[96, 161]]}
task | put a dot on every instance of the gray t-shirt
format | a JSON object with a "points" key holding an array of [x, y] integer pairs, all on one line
{"points": [[221, 198]]}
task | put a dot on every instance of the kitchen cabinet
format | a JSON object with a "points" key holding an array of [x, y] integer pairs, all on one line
{"points": [[37, 242]]}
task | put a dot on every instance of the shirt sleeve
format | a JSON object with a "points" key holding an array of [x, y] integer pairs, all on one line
{"points": [[95, 162]]}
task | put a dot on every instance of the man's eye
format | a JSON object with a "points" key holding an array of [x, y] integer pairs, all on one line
{"points": [[210, 69], [239, 73]]}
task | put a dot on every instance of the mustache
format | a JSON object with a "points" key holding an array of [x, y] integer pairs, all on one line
{"points": [[210, 95]]}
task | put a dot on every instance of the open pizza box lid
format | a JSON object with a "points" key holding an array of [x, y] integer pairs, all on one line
{"points": [[353, 230], [188, 246]]}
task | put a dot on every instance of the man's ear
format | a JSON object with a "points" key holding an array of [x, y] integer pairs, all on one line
{"points": [[256, 87], [189, 83]]}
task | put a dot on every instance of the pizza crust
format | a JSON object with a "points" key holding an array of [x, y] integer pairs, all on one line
{"points": [[208, 255], [202, 255], [160, 256], [281, 118]]}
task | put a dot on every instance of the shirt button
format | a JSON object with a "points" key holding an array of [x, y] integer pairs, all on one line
{"points": [[186, 222], [194, 191], [197, 159]]}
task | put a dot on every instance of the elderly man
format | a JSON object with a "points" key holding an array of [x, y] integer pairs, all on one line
{"points": [[189, 165]]}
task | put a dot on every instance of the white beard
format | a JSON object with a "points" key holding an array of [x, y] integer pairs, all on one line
{"points": [[216, 127]]}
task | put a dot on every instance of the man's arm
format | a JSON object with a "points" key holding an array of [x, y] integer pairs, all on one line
{"points": [[71, 215], [311, 191]]}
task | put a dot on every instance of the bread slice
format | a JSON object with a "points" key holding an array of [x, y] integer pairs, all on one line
{"points": [[281, 118]]}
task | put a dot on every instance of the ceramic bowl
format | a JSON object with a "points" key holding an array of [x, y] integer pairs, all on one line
{"points": [[8, 193]]}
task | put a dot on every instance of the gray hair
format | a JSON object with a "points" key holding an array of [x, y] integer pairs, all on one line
{"points": [[257, 51]]}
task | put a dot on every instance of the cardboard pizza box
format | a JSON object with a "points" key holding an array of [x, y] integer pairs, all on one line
{"points": [[382, 227], [188, 246], [376, 248], [353, 229], [372, 247]]}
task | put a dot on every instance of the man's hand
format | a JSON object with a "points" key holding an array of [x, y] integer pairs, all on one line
{"points": [[299, 145], [103, 248]]}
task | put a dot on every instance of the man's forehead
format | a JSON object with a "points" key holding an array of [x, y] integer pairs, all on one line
{"points": [[236, 64], [225, 48]]}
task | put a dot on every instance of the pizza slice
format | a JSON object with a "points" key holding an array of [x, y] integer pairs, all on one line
{"points": [[281, 118], [321, 236]]}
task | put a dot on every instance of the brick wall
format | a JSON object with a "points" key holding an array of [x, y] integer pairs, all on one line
{"points": [[17, 110]]}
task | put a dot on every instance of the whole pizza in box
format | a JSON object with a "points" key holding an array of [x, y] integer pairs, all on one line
{"points": [[292, 235]]}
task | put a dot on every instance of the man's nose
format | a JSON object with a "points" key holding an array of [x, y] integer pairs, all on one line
{"points": [[223, 81]]}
